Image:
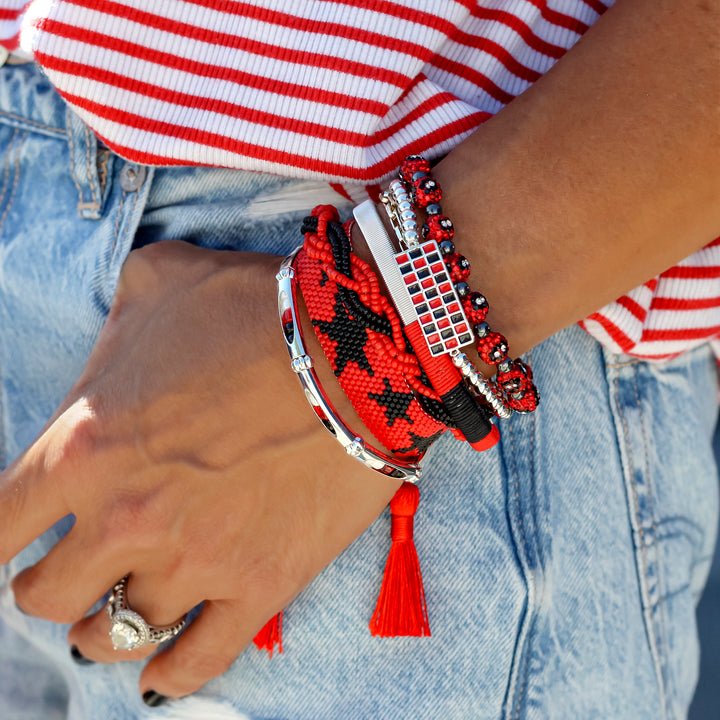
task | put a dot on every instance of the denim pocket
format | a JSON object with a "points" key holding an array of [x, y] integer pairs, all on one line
{"points": [[665, 415]]}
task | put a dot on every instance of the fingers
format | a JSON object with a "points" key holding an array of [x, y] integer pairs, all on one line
{"points": [[92, 638], [31, 503], [68, 581], [143, 595], [206, 649]]}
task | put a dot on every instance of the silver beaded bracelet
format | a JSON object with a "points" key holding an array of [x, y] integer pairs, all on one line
{"points": [[302, 365]]}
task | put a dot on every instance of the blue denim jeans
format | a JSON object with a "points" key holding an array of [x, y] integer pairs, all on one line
{"points": [[562, 567]]}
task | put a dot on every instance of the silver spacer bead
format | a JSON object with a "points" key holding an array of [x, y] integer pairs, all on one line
{"points": [[285, 274], [355, 447], [411, 238], [301, 363]]}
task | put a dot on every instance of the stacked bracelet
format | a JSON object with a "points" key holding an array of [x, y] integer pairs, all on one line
{"points": [[399, 360], [302, 364], [513, 389], [363, 341]]}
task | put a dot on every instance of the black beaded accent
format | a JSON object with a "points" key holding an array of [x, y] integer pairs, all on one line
{"points": [[462, 289], [447, 247], [478, 301], [419, 444], [481, 329], [349, 337], [505, 366], [396, 403], [471, 419], [433, 209]]}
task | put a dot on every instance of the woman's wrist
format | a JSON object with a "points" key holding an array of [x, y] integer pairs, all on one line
{"points": [[567, 199]]}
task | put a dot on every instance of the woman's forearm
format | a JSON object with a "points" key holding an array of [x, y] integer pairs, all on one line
{"points": [[600, 176]]}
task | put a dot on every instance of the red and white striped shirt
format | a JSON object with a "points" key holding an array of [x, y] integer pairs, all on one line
{"points": [[338, 90]]}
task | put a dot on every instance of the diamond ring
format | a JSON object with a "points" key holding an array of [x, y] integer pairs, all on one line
{"points": [[129, 630]]}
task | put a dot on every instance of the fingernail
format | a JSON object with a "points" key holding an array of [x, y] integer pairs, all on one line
{"points": [[79, 658], [153, 699]]}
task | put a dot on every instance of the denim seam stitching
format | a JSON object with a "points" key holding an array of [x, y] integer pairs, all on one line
{"points": [[3, 430], [647, 466], [521, 694], [95, 204], [531, 461], [643, 570], [27, 121], [523, 643], [72, 163], [102, 171], [6, 164], [524, 650], [655, 606], [16, 180], [117, 221]]}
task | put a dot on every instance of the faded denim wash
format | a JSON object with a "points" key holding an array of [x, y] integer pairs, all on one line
{"points": [[562, 568]]}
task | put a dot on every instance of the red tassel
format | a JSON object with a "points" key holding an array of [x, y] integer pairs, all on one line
{"points": [[401, 609], [270, 635]]}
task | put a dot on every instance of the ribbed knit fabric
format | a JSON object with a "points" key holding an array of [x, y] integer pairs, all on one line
{"points": [[336, 90], [667, 315]]}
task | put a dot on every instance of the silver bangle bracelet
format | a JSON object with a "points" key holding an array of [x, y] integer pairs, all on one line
{"points": [[302, 365]]}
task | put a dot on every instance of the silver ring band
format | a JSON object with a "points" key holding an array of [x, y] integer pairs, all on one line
{"points": [[129, 630]]}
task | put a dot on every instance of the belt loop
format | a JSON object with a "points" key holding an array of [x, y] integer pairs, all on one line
{"points": [[84, 167]]}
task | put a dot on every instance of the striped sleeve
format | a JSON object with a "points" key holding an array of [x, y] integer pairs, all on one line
{"points": [[336, 90], [676, 311], [11, 17]]}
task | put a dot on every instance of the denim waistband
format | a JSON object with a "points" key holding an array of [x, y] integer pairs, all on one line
{"points": [[30, 104]]}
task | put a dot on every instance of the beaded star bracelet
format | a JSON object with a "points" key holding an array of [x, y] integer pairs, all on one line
{"points": [[387, 382], [302, 365], [362, 338]]}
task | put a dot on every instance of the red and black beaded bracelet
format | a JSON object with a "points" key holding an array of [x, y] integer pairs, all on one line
{"points": [[424, 298], [363, 341], [415, 189]]}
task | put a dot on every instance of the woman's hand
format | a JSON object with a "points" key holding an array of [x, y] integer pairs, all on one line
{"points": [[191, 460]]}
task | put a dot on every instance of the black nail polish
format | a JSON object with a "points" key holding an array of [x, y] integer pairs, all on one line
{"points": [[79, 658], [153, 699]]}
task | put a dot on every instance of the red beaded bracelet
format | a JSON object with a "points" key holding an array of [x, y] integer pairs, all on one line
{"points": [[382, 380], [513, 389]]}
